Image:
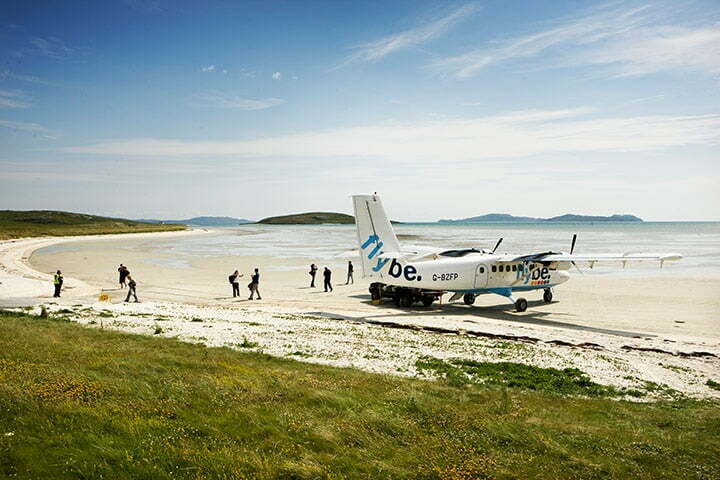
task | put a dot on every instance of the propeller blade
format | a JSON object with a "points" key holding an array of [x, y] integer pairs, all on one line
{"points": [[572, 245], [497, 245]]}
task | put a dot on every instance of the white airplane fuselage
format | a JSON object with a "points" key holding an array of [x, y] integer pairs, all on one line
{"points": [[473, 272]]}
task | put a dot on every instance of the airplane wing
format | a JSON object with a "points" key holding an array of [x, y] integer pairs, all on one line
{"points": [[592, 259]]}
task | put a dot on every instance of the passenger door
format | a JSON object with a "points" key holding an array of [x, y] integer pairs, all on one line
{"points": [[481, 276]]}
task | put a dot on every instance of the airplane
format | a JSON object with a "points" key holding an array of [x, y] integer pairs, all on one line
{"points": [[424, 275]]}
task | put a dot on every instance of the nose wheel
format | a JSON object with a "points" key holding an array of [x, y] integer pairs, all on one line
{"points": [[547, 295]]}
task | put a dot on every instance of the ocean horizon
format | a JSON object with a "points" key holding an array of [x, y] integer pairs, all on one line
{"points": [[698, 242]]}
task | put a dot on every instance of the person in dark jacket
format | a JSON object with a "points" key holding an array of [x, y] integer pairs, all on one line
{"points": [[235, 282], [255, 285], [350, 278], [327, 275], [57, 283], [313, 271], [131, 289], [123, 272]]}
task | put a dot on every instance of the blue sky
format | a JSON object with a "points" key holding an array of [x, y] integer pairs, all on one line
{"points": [[448, 109]]}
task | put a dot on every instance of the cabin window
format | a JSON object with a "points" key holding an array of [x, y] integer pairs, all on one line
{"points": [[514, 268], [494, 268], [507, 268], [482, 269]]}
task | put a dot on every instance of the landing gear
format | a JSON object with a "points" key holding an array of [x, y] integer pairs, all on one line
{"points": [[404, 297], [547, 295], [469, 298], [520, 305], [405, 300]]}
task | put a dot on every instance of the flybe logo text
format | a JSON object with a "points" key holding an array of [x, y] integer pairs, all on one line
{"points": [[396, 268]]}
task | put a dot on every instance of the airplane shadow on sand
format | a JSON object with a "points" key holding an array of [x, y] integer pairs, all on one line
{"points": [[495, 312]]}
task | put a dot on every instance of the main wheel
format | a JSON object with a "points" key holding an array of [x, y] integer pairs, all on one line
{"points": [[521, 305], [427, 300], [375, 291], [469, 298], [406, 300], [547, 295]]}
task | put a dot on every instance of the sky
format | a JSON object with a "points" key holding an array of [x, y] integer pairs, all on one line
{"points": [[174, 109]]}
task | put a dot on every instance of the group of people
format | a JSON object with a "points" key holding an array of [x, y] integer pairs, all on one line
{"points": [[126, 280], [327, 276], [253, 286]]}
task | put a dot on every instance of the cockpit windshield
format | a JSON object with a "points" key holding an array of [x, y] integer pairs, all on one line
{"points": [[459, 253]]}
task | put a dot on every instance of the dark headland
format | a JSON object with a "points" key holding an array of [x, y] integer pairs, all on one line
{"points": [[310, 218], [38, 223]]}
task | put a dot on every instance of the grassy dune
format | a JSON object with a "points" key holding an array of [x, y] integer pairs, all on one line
{"points": [[311, 218], [86, 403], [38, 223]]}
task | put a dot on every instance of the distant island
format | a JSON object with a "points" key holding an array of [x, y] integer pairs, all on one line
{"points": [[201, 221], [310, 218], [567, 218], [38, 223]]}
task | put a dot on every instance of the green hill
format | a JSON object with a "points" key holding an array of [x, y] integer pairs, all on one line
{"points": [[38, 223], [310, 218]]}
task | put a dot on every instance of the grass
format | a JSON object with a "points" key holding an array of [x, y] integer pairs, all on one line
{"points": [[713, 384], [247, 344], [77, 402], [568, 381], [38, 223]]}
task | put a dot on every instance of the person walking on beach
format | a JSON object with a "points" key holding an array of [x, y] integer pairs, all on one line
{"points": [[254, 285], [123, 272], [327, 274], [350, 278], [131, 289], [313, 271], [57, 283], [235, 282]]}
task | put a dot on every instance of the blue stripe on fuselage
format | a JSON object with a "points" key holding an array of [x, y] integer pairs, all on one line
{"points": [[503, 291]]}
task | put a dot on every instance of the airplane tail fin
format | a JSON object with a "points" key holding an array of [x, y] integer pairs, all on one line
{"points": [[375, 235]]}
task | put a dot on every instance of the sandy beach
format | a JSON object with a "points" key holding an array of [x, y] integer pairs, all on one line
{"points": [[635, 332]]}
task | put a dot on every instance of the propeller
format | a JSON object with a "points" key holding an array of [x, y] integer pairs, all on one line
{"points": [[572, 249], [497, 245]]}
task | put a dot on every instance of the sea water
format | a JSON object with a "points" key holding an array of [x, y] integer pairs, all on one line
{"points": [[698, 242]]}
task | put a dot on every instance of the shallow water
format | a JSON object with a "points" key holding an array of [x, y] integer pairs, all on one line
{"points": [[699, 242]]}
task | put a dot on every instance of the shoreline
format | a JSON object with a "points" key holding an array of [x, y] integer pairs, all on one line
{"points": [[18, 279], [599, 325]]}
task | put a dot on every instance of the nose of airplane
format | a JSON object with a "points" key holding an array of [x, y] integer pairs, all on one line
{"points": [[562, 277]]}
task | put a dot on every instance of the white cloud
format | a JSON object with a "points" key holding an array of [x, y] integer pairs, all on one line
{"points": [[24, 78], [32, 128], [13, 99], [513, 135], [380, 48], [209, 68], [216, 99], [629, 41], [53, 47], [276, 76]]}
